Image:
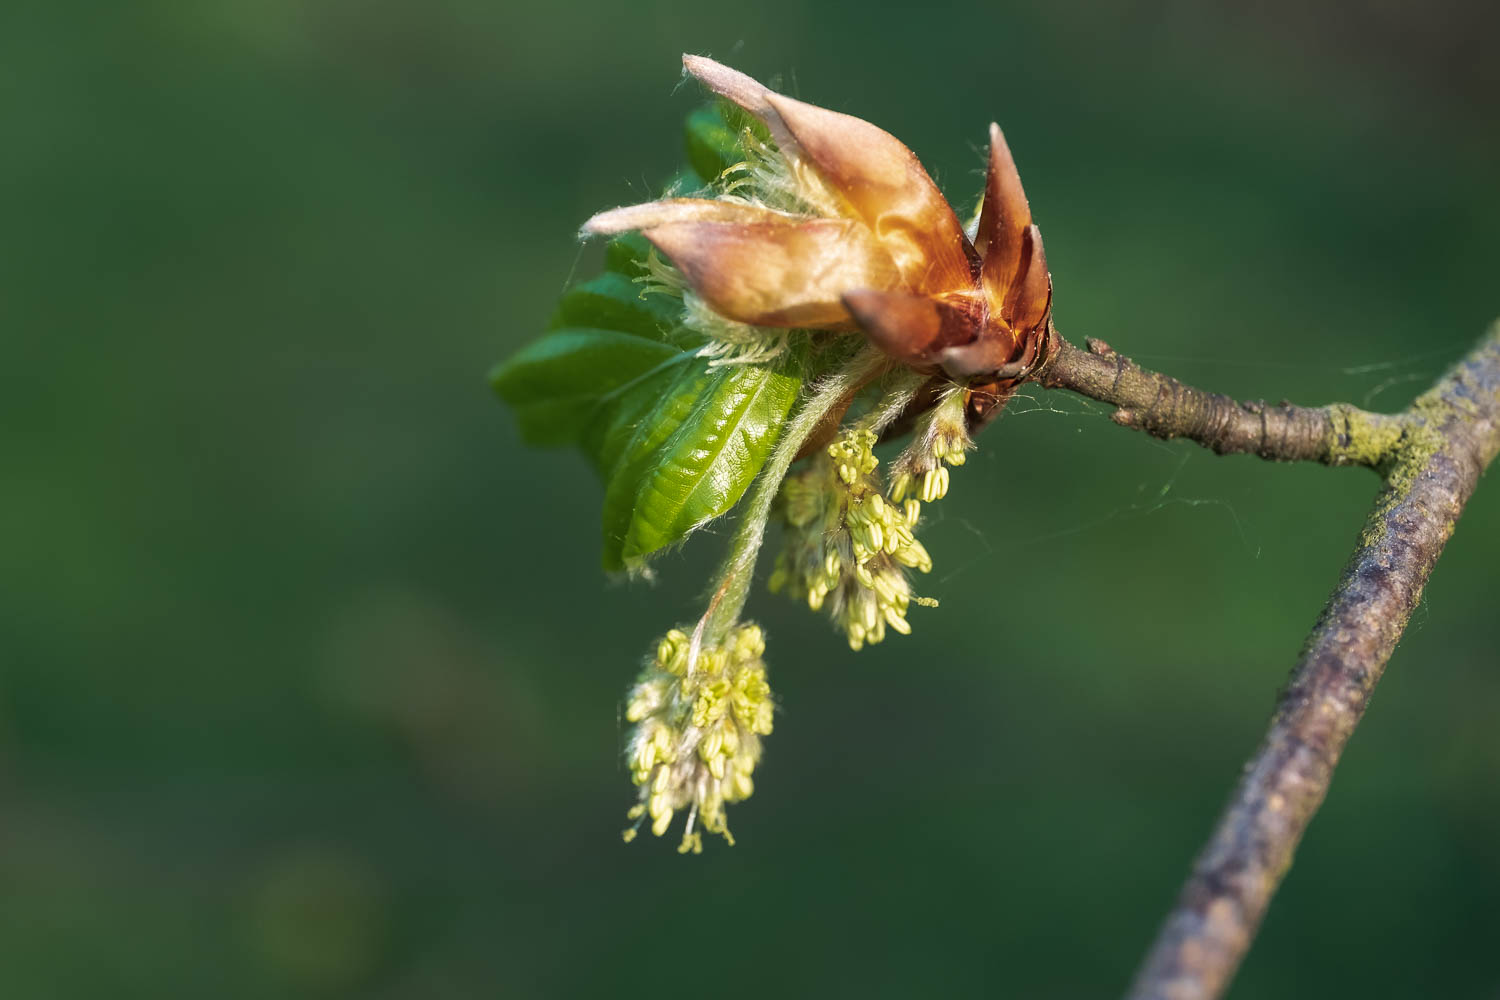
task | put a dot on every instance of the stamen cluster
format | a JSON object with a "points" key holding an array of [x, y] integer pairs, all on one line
{"points": [[848, 542], [942, 439], [698, 716]]}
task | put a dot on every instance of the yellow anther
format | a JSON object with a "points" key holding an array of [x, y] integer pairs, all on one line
{"points": [[698, 731], [856, 636], [660, 823], [895, 621]]}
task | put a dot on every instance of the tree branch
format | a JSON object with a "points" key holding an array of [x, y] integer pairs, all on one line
{"points": [[1338, 434], [1447, 438]]}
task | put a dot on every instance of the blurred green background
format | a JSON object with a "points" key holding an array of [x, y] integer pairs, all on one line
{"points": [[309, 682]]}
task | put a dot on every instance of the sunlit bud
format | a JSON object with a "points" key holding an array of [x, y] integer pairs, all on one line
{"points": [[836, 225], [674, 210], [776, 274]]}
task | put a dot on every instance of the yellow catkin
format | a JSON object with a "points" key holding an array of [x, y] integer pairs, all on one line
{"points": [[699, 717]]}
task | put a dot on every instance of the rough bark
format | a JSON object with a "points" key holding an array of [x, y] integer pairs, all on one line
{"points": [[1431, 458], [1160, 405]]}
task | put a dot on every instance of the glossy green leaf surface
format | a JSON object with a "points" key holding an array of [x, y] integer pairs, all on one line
{"points": [[675, 441], [726, 424], [629, 455], [613, 301], [557, 384]]}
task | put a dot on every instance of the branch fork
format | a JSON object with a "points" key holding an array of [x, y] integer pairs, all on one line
{"points": [[1430, 459]]}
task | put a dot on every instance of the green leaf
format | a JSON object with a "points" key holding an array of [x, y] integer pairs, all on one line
{"points": [[628, 454], [614, 302], [607, 335], [675, 441], [693, 456], [556, 385], [610, 437]]}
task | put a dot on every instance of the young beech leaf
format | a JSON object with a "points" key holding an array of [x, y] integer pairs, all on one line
{"points": [[614, 302], [675, 441], [606, 336], [556, 384], [607, 440], [629, 454], [706, 465]]}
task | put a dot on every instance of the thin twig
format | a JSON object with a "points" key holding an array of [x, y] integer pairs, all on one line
{"points": [[1338, 434], [1448, 437]]}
